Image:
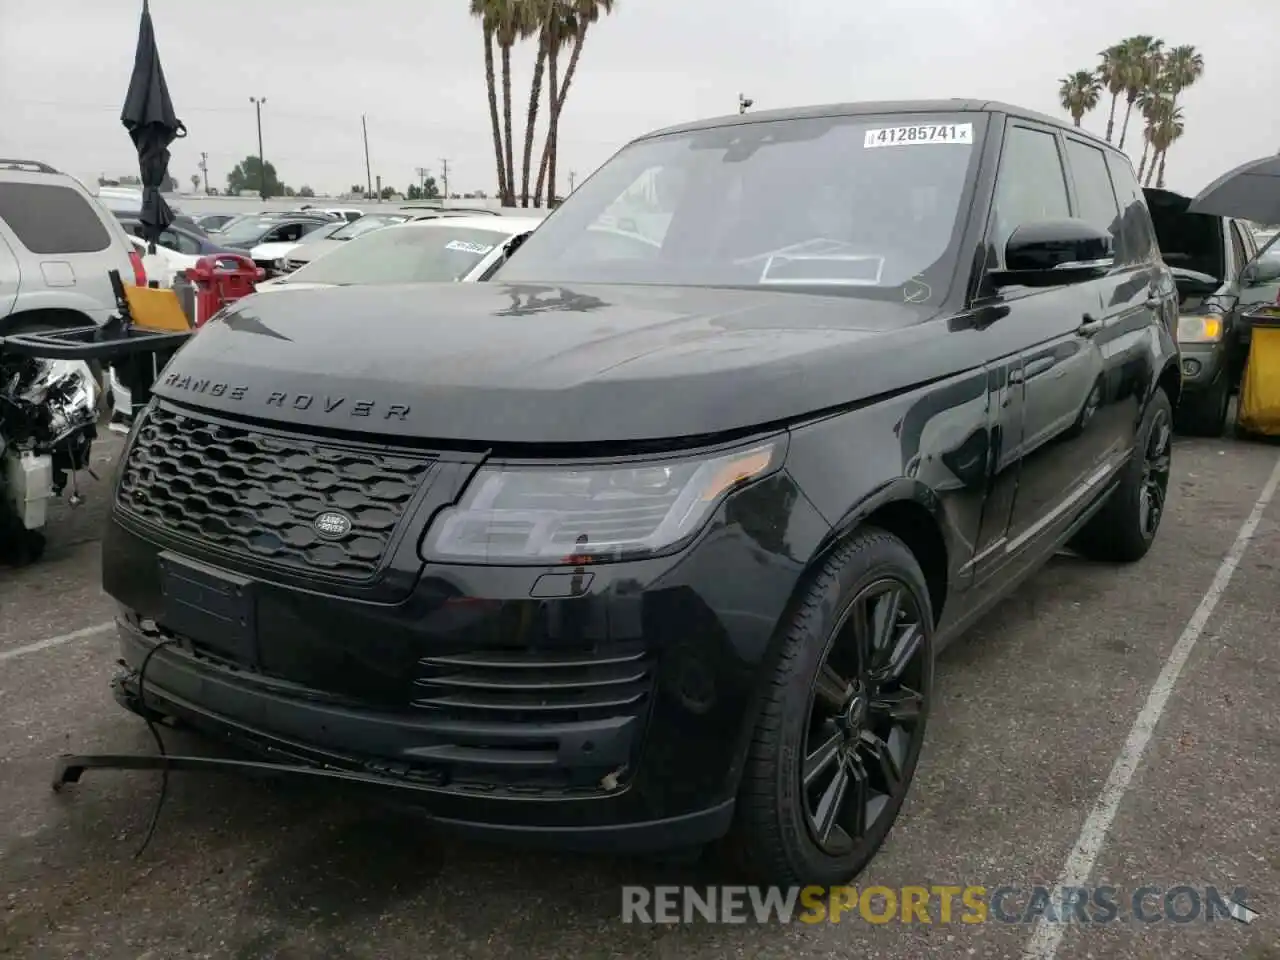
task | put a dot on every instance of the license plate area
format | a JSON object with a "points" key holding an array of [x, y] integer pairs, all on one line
{"points": [[211, 608]]}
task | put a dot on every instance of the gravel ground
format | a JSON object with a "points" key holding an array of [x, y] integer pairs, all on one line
{"points": [[1037, 703]]}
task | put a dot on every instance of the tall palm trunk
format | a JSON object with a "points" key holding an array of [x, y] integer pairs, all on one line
{"points": [[1160, 176], [553, 126], [1151, 169], [558, 99], [535, 97], [491, 82], [1124, 129], [1142, 165], [1111, 118], [510, 199]]}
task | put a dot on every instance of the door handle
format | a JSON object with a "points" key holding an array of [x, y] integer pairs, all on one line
{"points": [[1089, 327], [1153, 302]]}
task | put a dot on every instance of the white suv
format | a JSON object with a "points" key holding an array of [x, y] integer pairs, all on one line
{"points": [[57, 247]]}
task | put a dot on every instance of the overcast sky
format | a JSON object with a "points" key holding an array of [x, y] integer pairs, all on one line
{"points": [[415, 68]]}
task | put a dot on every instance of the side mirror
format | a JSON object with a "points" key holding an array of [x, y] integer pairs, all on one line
{"points": [[1055, 252], [1259, 272]]}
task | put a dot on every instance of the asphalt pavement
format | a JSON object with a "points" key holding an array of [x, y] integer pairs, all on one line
{"points": [[1066, 746]]}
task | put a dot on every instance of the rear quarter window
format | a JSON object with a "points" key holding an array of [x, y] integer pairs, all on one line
{"points": [[52, 220]]}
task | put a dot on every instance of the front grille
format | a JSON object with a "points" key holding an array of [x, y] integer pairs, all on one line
{"points": [[291, 265], [535, 718], [259, 495]]}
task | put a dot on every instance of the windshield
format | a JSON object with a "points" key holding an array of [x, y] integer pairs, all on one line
{"points": [[248, 229], [370, 221], [868, 205], [411, 254]]}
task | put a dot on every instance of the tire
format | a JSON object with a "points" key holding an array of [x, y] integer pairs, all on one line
{"points": [[1205, 414], [776, 832], [1126, 526]]}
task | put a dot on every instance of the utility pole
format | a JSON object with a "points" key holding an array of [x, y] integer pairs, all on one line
{"points": [[204, 169], [444, 176], [572, 179], [379, 193], [262, 163], [744, 103], [367, 174], [423, 172]]}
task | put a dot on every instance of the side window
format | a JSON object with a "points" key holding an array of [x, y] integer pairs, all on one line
{"points": [[1094, 194], [291, 232], [188, 244], [1030, 186], [169, 240], [1137, 241], [52, 220]]}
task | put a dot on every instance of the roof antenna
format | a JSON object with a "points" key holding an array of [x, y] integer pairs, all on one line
{"points": [[744, 103]]}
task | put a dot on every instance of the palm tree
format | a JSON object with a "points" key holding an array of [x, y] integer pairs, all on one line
{"points": [[512, 26], [1079, 93], [538, 18], [1169, 128], [1142, 66], [561, 27], [1113, 76], [1152, 104], [583, 13], [491, 14], [1182, 67]]}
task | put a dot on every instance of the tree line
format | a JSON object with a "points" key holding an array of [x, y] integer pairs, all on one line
{"points": [[556, 27], [1150, 77]]}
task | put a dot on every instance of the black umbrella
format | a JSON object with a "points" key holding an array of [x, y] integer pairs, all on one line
{"points": [[1249, 192], [148, 116]]}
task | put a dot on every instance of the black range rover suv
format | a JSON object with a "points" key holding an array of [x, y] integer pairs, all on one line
{"points": [[653, 539]]}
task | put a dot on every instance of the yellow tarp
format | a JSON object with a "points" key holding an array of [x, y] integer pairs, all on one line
{"points": [[1260, 393]]}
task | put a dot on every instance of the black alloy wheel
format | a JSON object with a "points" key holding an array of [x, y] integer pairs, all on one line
{"points": [[842, 721], [1156, 461], [865, 717]]}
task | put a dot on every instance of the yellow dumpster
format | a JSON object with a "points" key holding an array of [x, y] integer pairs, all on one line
{"points": [[1259, 407]]}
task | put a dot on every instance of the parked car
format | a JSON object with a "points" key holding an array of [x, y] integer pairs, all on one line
{"points": [[343, 213], [180, 239], [1208, 256], [439, 250], [58, 245], [174, 261], [210, 222], [659, 537], [243, 235], [271, 257], [301, 256]]}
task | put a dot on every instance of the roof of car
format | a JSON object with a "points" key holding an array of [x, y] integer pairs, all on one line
{"points": [[871, 108], [494, 224]]}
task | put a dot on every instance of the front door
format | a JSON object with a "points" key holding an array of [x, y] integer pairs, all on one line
{"points": [[1059, 365]]}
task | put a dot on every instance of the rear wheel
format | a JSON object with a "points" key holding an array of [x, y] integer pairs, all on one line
{"points": [[1204, 414], [1124, 529], [841, 728]]}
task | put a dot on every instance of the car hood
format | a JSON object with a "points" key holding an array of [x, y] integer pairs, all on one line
{"points": [[494, 363], [274, 286], [309, 251], [272, 251]]}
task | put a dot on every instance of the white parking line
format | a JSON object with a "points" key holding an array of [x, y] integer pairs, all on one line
{"points": [[1048, 934], [57, 641]]}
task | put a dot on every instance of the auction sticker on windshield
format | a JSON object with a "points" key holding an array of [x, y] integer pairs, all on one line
{"points": [[466, 246], [922, 134]]}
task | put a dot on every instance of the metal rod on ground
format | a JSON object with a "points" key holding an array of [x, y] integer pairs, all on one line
{"points": [[262, 161]]}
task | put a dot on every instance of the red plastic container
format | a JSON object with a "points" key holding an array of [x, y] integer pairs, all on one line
{"points": [[220, 280]]}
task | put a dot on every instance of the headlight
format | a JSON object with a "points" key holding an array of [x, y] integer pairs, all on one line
{"points": [[280, 265], [1202, 328], [567, 515]]}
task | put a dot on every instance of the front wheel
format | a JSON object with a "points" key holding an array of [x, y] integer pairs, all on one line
{"points": [[1205, 414], [1124, 529], [843, 720]]}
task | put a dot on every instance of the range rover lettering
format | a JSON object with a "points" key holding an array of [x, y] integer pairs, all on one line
{"points": [[651, 541]]}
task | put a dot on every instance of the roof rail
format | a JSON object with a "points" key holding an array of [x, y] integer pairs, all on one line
{"points": [[35, 166]]}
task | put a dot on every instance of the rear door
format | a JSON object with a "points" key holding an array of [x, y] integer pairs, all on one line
{"points": [[1131, 307]]}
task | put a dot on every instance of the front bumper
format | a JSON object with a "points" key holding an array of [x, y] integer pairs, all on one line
{"points": [[610, 708], [1202, 363]]}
